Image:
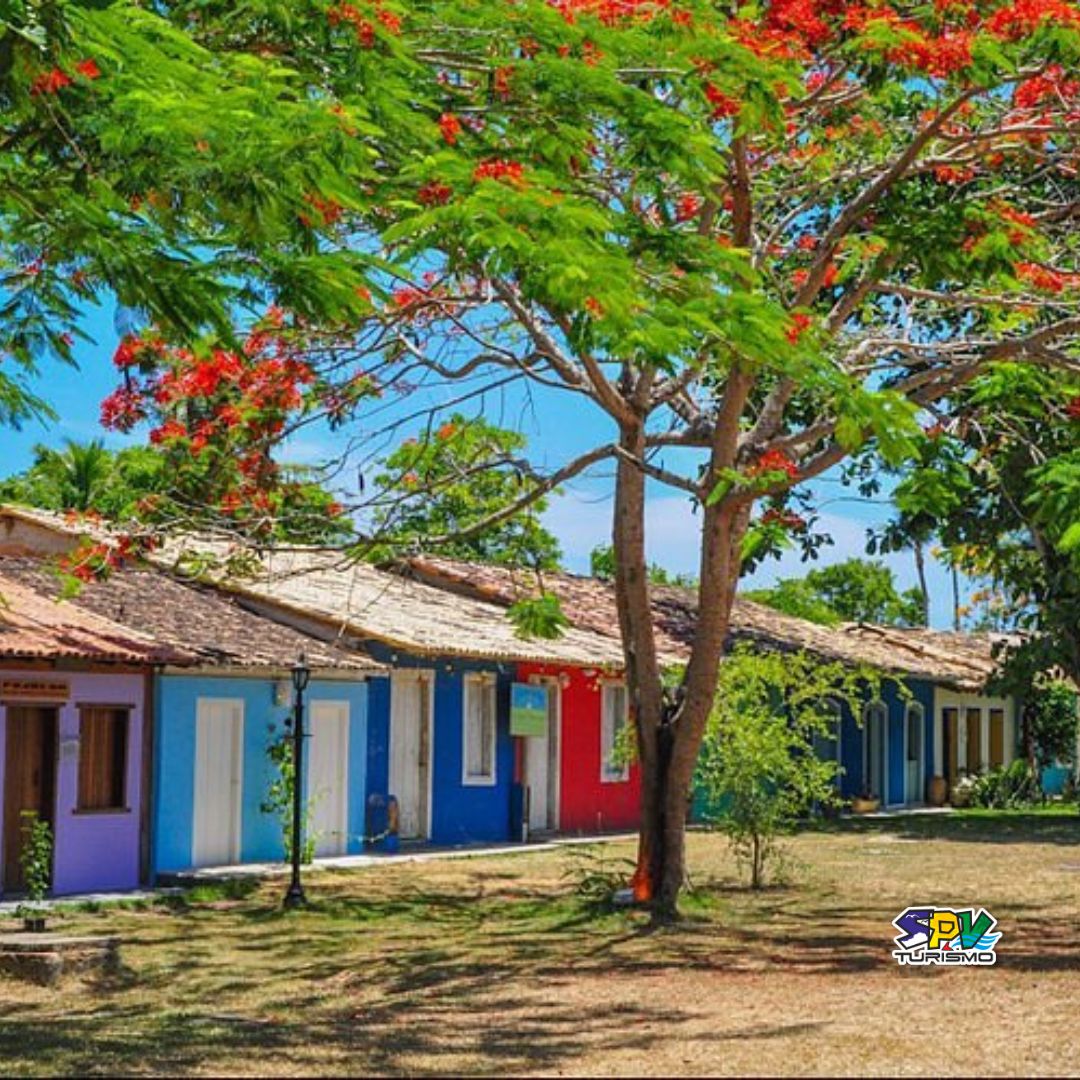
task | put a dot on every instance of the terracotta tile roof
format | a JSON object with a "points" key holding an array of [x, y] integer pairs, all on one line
{"points": [[375, 604], [196, 625], [962, 660], [34, 627]]}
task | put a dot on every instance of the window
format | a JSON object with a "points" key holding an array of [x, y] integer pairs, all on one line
{"points": [[479, 730], [614, 709], [103, 738]]}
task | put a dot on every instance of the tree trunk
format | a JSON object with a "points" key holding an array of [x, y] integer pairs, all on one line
{"points": [[920, 571], [956, 598], [669, 726]]}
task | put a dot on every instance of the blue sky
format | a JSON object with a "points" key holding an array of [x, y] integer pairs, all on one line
{"points": [[558, 426]]}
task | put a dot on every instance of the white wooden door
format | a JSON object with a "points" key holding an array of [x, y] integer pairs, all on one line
{"points": [[542, 769], [219, 779], [328, 776], [410, 751]]}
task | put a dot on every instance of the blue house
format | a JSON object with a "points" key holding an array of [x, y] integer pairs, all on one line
{"points": [[439, 724], [945, 725]]}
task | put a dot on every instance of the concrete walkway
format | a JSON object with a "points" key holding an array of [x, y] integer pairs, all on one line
{"points": [[416, 854]]}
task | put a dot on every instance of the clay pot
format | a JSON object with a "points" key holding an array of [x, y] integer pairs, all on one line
{"points": [[859, 805], [937, 790]]}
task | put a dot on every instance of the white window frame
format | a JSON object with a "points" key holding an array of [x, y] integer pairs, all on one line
{"points": [[609, 734], [483, 684]]}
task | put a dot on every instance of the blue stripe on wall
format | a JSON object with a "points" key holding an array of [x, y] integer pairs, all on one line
{"points": [[461, 814]]}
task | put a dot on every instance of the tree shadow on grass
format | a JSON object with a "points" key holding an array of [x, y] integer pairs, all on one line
{"points": [[1006, 828]]}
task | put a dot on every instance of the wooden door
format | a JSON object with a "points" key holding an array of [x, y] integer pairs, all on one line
{"points": [[950, 722], [974, 741], [410, 751], [997, 738], [29, 781], [219, 778], [328, 776]]}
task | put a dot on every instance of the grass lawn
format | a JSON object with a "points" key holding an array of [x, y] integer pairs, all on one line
{"points": [[493, 966]]}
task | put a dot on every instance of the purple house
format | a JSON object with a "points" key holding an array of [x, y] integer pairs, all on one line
{"points": [[73, 741]]}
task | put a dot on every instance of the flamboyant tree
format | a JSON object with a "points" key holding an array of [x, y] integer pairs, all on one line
{"points": [[755, 238], [180, 180]]}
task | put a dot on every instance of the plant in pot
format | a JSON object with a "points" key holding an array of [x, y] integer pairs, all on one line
{"points": [[865, 802], [36, 861]]}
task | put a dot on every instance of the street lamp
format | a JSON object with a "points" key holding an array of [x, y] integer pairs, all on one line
{"points": [[301, 676]]}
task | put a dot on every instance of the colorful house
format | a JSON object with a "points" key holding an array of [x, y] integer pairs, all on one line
{"points": [[942, 723], [74, 747], [440, 736], [218, 706]]}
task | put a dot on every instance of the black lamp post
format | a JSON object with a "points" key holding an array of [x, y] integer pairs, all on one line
{"points": [[301, 676]]}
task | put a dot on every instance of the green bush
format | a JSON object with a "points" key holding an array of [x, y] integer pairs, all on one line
{"points": [[1006, 788], [759, 768]]}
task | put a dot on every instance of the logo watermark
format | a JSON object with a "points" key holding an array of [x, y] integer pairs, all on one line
{"points": [[935, 935]]}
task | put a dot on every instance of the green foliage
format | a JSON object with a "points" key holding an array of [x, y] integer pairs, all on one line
{"points": [[453, 480], [595, 876], [856, 590], [1007, 788], [140, 166], [1052, 716], [602, 566], [538, 617], [759, 764], [147, 482], [279, 798], [36, 856], [1001, 486], [797, 597]]}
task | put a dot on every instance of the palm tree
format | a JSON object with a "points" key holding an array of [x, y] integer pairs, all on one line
{"points": [[75, 477]]}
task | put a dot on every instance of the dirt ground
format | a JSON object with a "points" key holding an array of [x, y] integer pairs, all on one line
{"points": [[494, 966]]}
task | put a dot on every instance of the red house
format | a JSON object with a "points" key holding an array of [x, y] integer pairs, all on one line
{"points": [[576, 781]]}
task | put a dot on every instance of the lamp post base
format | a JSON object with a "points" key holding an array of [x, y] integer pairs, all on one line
{"points": [[295, 897]]}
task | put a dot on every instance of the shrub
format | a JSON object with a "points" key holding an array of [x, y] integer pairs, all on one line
{"points": [[758, 762], [1008, 787], [36, 856]]}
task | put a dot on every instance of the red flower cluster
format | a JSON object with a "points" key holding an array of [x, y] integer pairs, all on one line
{"points": [[1023, 17], [50, 82], [774, 461], [329, 212], [610, 12], [953, 174], [55, 79], [786, 519], [1053, 83], [688, 207], [1043, 278], [435, 193], [450, 126], [723, 105], [363, 26], [510, 172], [800, 323]]}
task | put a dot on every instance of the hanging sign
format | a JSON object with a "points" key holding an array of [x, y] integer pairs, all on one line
{"points": [[16, 690], [528, 709]]}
